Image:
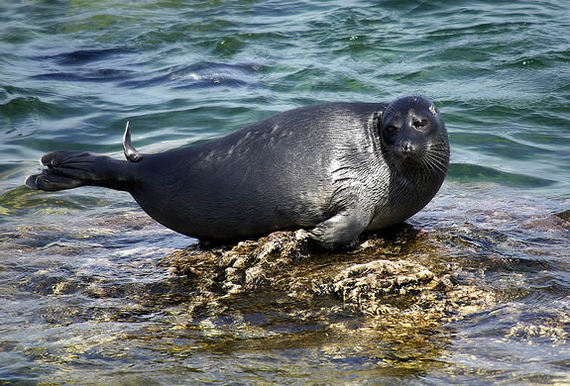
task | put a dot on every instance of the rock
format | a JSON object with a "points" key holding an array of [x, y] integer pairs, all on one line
{"points": [[564, 216], [403, 275]]}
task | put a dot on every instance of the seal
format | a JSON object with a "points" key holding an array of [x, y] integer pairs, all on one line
{"points": [[335, 169]]}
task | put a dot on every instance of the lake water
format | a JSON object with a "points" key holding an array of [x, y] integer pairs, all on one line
{"points": [[84, 294]]}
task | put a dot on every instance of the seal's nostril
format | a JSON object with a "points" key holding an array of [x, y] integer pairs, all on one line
{"points": [[407, 147]]}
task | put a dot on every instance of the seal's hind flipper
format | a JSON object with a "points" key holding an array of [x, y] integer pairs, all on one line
{"points": [[131, 153], [71, 169], [51, 182]]}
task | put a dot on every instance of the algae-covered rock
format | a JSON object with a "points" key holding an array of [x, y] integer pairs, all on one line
{"points": [[392, 294], [404, 273]]}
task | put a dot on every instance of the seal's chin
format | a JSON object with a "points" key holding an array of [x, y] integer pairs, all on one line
{"points": [[404, 158], [411, 161]]}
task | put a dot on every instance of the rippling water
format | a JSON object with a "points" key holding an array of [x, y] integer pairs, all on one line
{"points": [[84, 296]]}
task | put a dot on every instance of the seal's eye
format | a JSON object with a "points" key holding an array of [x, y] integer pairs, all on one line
{"points": [[391, 129], [420, 124]]}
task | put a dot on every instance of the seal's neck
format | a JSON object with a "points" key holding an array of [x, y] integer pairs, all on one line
{"points": [[419, 182]]}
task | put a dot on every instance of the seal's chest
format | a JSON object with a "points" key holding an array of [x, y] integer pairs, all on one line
{"points": [[405, 197]]}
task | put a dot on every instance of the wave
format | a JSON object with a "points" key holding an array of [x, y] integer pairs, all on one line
{"points": [[471, 173]]}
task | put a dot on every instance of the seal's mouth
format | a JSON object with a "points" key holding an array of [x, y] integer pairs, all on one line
{"points": [[406, 152], [406, 149], [433, 158]]}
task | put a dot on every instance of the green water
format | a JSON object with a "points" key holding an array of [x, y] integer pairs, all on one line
{"points": [[84, 295]]}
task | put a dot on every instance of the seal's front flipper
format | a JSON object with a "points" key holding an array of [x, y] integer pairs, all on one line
{"points": [[340, 230]]}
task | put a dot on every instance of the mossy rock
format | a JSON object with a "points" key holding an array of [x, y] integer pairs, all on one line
{"points": [[404, 274]]}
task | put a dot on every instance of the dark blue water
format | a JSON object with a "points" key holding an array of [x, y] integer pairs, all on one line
{"points": [[84, 298]]}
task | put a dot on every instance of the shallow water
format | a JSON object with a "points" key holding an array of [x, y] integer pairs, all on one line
{"points": [[86, 295]]}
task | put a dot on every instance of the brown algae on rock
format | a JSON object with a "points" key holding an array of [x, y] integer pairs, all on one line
{"points": [[402, 280]]}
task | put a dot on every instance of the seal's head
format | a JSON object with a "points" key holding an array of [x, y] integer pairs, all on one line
{"points": [[413, 134]]}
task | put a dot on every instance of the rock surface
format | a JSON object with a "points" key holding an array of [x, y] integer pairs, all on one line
{"points": [[400, 280]]}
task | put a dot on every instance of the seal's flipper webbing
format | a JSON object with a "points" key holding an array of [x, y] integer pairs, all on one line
{"points": [[131, 153], [51, 182]]}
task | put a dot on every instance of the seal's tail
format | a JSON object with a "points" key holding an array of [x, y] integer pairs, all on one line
{"points": [[71, 169]]}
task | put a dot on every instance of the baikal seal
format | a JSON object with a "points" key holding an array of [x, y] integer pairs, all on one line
{"points": [[335, 169]]}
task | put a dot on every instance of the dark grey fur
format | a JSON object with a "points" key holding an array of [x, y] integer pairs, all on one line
{"points": [[336, 169]]}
